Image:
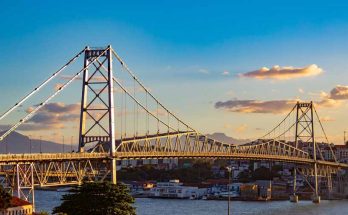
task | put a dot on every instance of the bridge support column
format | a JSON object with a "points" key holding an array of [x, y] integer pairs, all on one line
{"points": [[25, 182], [316, 199], [114, 171], [294, 198]]}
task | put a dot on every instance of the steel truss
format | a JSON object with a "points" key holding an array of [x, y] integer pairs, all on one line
{"points": [[21, 178], [193, 144], [323, 173]]}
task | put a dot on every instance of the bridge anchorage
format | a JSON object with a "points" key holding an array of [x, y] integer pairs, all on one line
{"points": [[120, 119]]}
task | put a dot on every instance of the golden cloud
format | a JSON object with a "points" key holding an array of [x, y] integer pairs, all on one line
{"points": [[52, 116], [328, 103], [241, 128], [327, 119], [283, 73], [339, 93], [333, 99], [255, 106]]}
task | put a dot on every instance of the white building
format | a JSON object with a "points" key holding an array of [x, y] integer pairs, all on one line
{"points": [[175, 189]]}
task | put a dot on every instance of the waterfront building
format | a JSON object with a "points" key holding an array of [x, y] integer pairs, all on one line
{"points": [[342, 153], [264, 189], [175, 189], [249, 192], [18, 207]]}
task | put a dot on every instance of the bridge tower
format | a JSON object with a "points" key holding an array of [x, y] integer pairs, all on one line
{"points": [[304, 134], [97, 120]]}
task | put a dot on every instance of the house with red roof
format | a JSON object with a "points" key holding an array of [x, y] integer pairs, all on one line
{"points": [[18, 207]]}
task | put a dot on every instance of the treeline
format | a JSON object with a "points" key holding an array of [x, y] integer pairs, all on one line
{"points": [[261, 173], [199, 171]]}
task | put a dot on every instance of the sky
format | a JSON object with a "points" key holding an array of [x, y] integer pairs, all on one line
{"points": [[234, 67]]}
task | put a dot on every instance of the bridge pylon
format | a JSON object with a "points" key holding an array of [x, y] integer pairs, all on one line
{"points": [[304, 134], [97, 118]]}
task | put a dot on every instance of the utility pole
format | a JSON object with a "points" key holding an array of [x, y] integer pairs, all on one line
{"points": [[230, 172]]}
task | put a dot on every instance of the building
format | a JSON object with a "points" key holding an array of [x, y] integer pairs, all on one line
{"points": [[249, 192], [342, 153], [18, 207], [264, 189], [158, 163], [175, 189]]}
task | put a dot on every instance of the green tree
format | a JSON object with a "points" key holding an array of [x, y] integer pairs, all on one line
{"points": [[100, 198], [244, 176], [5, 198]]}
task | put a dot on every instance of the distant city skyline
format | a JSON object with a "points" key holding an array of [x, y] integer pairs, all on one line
{"points": [[226, 67]]}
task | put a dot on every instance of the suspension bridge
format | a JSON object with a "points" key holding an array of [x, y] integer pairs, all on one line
{"points": [[121, 119]]}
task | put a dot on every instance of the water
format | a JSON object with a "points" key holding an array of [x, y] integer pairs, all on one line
{"points": [[47, 200]]}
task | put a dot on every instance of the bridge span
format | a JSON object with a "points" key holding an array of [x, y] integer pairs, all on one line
{"points": [[154, 133]]}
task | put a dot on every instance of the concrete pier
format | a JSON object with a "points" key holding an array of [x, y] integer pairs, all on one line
{"points": [[294, 198], [316, 199]]}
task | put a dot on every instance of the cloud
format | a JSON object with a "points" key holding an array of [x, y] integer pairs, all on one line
{"points": [[300, 90], [203, 71], [225, 73], [339, 93], [68, 77], [33, 127], [327, 119], [335, 98], [58, 86], [52, 116], [283, 73], [241, 128], [59, 107], [328, 103], [255, 106]]}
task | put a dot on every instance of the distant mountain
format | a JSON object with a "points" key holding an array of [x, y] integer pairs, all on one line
{"points": [[226, 139], [19, 143]]}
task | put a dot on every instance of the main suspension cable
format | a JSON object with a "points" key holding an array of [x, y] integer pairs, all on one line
{"points": [[42, 84], [146, 90], [32, 113], [327, 140], [273, 130], [142, 106]]}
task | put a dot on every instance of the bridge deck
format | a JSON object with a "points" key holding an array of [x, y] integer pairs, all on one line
{"points": [[6, 159]]}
